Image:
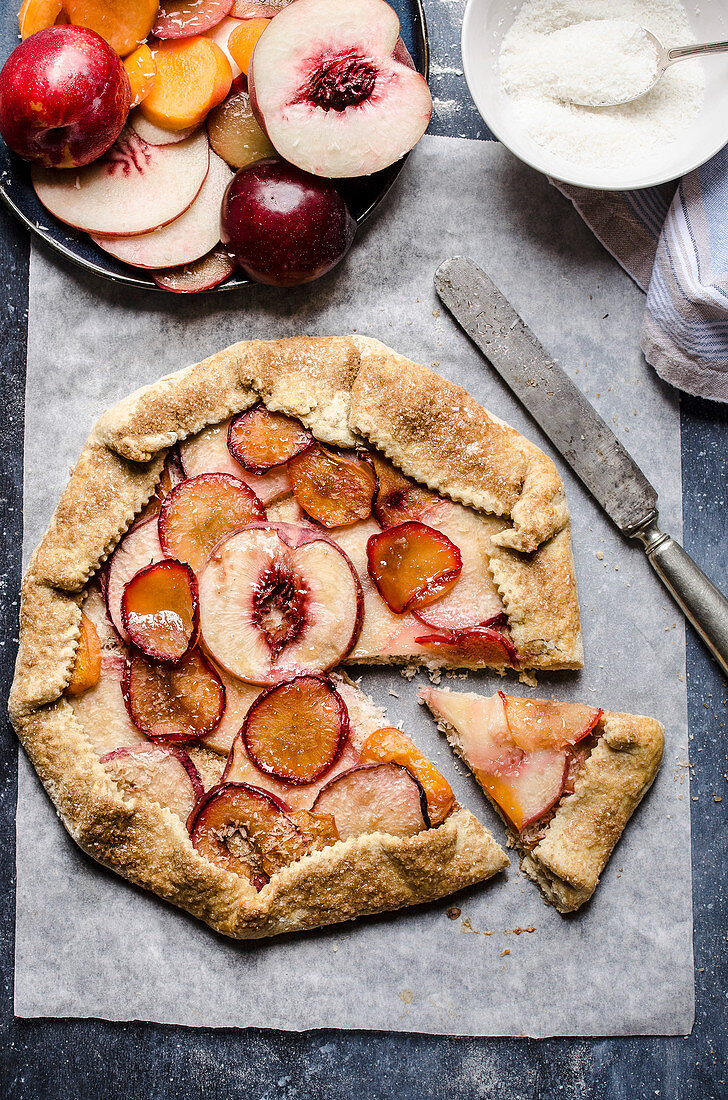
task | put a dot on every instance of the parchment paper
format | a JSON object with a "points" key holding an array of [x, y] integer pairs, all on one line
{"points": [[89, 944]]}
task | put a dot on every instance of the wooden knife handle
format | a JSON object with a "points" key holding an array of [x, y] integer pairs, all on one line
{"points": [[702, 603]]}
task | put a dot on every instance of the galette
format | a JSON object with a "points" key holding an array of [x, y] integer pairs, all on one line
{"points": [[232, 539]]}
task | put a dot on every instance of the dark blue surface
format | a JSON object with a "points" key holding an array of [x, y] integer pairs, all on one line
{"points": [[59, 1059]]}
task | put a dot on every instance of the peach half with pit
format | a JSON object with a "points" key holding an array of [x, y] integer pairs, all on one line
{"points": [[334, 88], [277, 600]]}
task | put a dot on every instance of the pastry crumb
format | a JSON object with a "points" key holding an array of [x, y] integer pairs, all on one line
{"points": [[506, 952], [528, 677], [453, 912], [435, 675]]}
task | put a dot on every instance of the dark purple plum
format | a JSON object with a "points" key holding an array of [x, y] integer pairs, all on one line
{"points": [[282, 226]]}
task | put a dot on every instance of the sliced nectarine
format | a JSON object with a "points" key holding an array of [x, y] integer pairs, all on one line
{"points": [[295, 730], [374, 798], [194, 278], [201, 511], [482, 644], [247, 831], [183, 18], [87, 668], [163, 772], [182, 702], [234, 132], [36, 15], [390, 745], [241, 42], [412, 565], [141, 68], [193, 76], [159, 610], [319, 829], [252, 9], [259, 439], [123, 23], [547, 724], [529, 790], [332, 487], [398, 498]]}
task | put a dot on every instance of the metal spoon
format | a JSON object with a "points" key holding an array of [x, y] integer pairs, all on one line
{"points": [[663, 59]]}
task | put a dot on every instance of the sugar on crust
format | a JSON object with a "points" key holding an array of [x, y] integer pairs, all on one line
{"points": [[346, 390]]}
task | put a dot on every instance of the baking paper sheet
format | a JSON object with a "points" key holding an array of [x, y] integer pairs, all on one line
{"points": [[89, 944]]}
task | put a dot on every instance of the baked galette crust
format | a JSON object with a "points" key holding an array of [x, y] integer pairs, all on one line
{"points": [[346, 390], [580, 837]]}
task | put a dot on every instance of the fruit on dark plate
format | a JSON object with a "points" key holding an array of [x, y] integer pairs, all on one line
{"points": [[160, 612], [182, 18], [64, 97], [336, 488], [295, 730], [277, 600], [201, 511], [122, 23], [282, 226], [186, 239], [374, 798], [234, 132], [133, 188], [195, 278], [182, 702], [412, 565], [334, 88], [261, 440]]}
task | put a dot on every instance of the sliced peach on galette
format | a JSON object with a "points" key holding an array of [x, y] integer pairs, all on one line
{"points": [[564, 777], [164, 773], [261, 440], [160, 610], [200, 512], [336, 489], [412, 565], [277, 600]]}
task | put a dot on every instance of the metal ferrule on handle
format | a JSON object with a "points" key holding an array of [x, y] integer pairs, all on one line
{"points": [[702, 603]]}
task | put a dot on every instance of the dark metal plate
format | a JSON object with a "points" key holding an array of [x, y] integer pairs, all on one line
{"points": [[362, 195]]}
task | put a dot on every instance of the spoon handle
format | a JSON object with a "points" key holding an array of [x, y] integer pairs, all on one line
{"points": [[701, 50]]}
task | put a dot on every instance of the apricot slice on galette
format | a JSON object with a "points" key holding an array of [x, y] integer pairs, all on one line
{"points": [[565, 778], [231, 539]]}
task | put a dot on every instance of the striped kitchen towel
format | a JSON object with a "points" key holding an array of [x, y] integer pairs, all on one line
{"points": [[673, 241]]}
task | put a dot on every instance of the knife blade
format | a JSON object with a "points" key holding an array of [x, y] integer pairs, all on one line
{"points": [[581, 436]]}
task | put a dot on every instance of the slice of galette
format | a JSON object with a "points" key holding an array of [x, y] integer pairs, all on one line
{"points": [[565, 778], [230, 537]]}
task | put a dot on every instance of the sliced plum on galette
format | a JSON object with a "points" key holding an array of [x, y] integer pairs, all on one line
{"points": [[565, 778]]}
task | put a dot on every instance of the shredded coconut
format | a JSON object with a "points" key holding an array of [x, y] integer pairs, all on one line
{"points": [[562, 49]]}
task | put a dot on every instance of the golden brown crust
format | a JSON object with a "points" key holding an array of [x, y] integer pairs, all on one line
{"points": [[437, 433], [327, 383], [149, 845], [580, 839], [539, 594]]}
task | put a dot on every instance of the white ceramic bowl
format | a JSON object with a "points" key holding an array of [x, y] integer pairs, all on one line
{"points": [[484, 26]]}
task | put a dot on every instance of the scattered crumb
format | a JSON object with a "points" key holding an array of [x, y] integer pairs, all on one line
{"points": [[334, 947], [408, 673], [466, 926], [393, 694], [453, 912], [520, 931], [506, 952], [436, 313], [600, 555], [435, 675], [407, 996]]}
